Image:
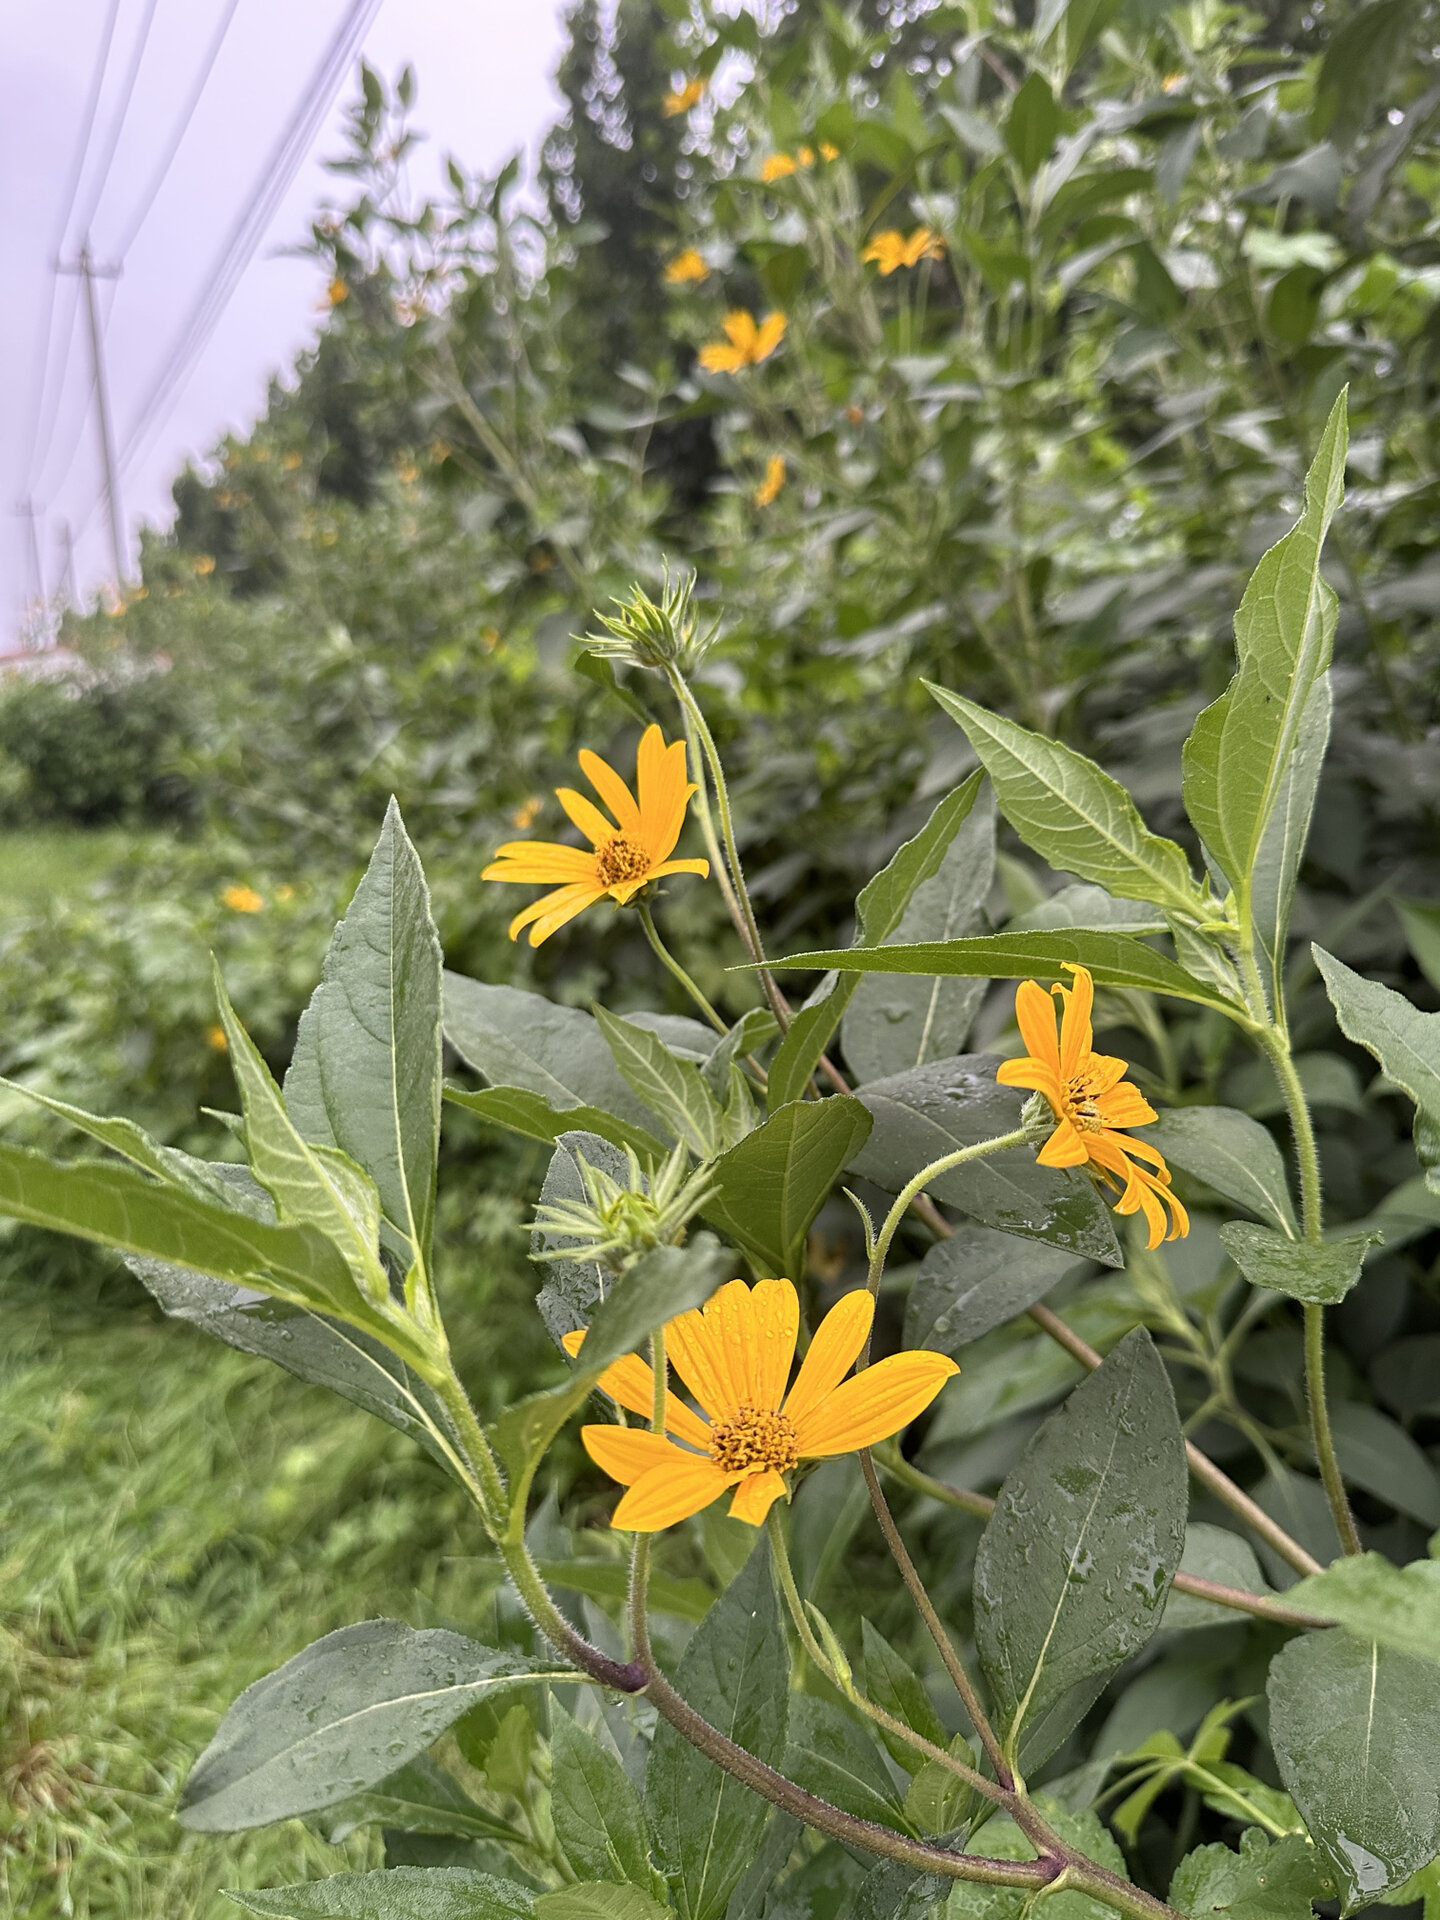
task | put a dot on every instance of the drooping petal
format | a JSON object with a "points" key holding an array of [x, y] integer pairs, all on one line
{"points": [[1077, 1036], [1035, 1017], [833, 1351], [563, 907], [702, 867], [875, 1404], [586, 815], [1125, 1106], [611, 789], [775, 1322], [755, 1496], [669, 1493], [631, 1384], [627, 1454], [539, 862], [1035, 1075], [1066, 1147]]}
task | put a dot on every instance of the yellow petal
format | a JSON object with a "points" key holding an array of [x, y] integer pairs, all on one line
{"points": [[1125, 1106], [739, 329], [875, 1404], [586, 815], [560, 908], [768, 337], [1034, 1074], [775, 1323], [729, 1321], [627, 1454], [611, 789], [1035, 1016], [664, 793], [702, 867], [669, 1493], [718, 359], [537, 862], [698, 1356], [631, 1384], [1077, 1036], [833, 1351], [755, 1496], [1066, 1147]]}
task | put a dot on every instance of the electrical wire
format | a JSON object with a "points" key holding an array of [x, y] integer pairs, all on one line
{"points": [[117, 122], [182, 127]]}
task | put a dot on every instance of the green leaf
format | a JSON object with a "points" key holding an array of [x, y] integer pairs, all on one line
{"points": [[879, 911], [1378, 1455], [1003, 1840], [932, 1111], [1281, 849], [532, 1115], [1115, 959], [977, 1280], [1321, 1275], [1238, 758], [311, 1185], [830, 1754], [670, 1087], [597, 1813], [366, 1071], [339, 1717], [1032, 125], [904, 1020], [736, 1673], [770, 1187], [1071, 811], [1354, 1727], [419, 1798], [1213, 1553], [573, 1289], [521, 1434], [1421, 922], [1265, 1880], [1082, 905], [610, 1580], [394, 1893], [662, 1283], [1405, 1041], [1356, 72], [753, 1029], [312, 1346], [1076, 1561], [599, 1901], [1397, 1606], [937, 1799], [891, 1684], [519, 1039], [1231, 1153]]}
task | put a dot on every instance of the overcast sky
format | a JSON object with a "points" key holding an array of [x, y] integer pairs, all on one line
{"points": [[485, 89]]}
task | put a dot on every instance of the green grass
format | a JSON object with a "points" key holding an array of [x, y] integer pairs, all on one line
{"points": [[176, 1519], [39, 863]]}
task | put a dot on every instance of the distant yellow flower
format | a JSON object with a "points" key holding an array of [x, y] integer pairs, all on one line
{"points": [[685, 268], [527, 813], [681, 102], [734, 1355], [769, 487], [215, 1037], [243, 900], [623, 858], [1090, 1098], [293, 460], [205, 563], [1171, 82], [284, 892], [890, 250], [336, 292], [748, 344], [828, 152], [779, 166], [805, 156]]}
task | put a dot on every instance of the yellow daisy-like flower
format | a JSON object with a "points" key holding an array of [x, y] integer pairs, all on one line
{"points": [[891, 250], [624, 857], [734, 1355], [769, 488], [685, 269], [243, 900], [777, 166], [681, 102], [745, 343], [828, 151], [1091, 1098]]}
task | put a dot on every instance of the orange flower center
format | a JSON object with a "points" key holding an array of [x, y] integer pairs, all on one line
{"points": [[1082, 1105], [754, 1438], [620, 860]]}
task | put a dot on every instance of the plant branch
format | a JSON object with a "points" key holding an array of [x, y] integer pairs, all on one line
{"points": [[673, 966], [911, 1192]]}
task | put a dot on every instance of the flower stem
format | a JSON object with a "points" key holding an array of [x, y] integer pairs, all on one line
{"points": [[912, 1190], [673, 966]]}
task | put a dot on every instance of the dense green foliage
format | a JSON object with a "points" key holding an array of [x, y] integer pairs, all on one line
{"points": [[1036, 470]]}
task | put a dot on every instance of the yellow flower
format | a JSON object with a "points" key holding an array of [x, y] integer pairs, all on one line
{"points": [[243, 900], [336, 292], [205, 563], [681, 102], [734, 1355], [527, 813], [779, 166], [623, 858], [890, 250], [685, 268], [215, 1037], [748, 344], [769, 487], [1090, 1098], [829, 152], [806, 156]]}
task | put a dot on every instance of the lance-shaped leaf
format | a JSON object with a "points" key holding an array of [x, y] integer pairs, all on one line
{"points": [[597, 1813], [340, 1717], [1115, 960], [1354, 1727], [393, 1893], [879, 909], [929, 1112], [736, 1674], [903, 1020], [1231, 1153], [420, 1797], [365, 1076], [1405, 1041], [1238, 759], [1320, 1274], [832, 1754], [1071, 811], [532, 1115], [662, 1283], [1277, 863], [599, 1900], [1076, 1561], [1376, 1600], [976, 1281], [670, 1087], [770, 1187]]}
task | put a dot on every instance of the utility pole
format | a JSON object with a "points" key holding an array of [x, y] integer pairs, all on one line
{"points": [[37, 568], [67, 546], [90, 273]]}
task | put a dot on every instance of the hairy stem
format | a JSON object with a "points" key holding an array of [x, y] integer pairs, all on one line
{"points": [[913, 1189], [673, 966]]}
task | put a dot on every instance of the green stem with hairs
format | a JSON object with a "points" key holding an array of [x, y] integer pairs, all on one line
{"points": [[912, 1190], [673, 966]]}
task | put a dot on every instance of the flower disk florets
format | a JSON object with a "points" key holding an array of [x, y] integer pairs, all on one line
{"points": [[754, 1437], [620, 860]]}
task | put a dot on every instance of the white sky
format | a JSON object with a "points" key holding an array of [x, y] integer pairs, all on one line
{"points": [[484, 69]]}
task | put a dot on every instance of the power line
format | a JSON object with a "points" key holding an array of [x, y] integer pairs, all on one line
{"points": [[182, 127], [117, 123]]}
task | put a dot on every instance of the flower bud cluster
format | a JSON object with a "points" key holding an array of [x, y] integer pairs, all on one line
{"points": [[645, 633], [616, 1223]]}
